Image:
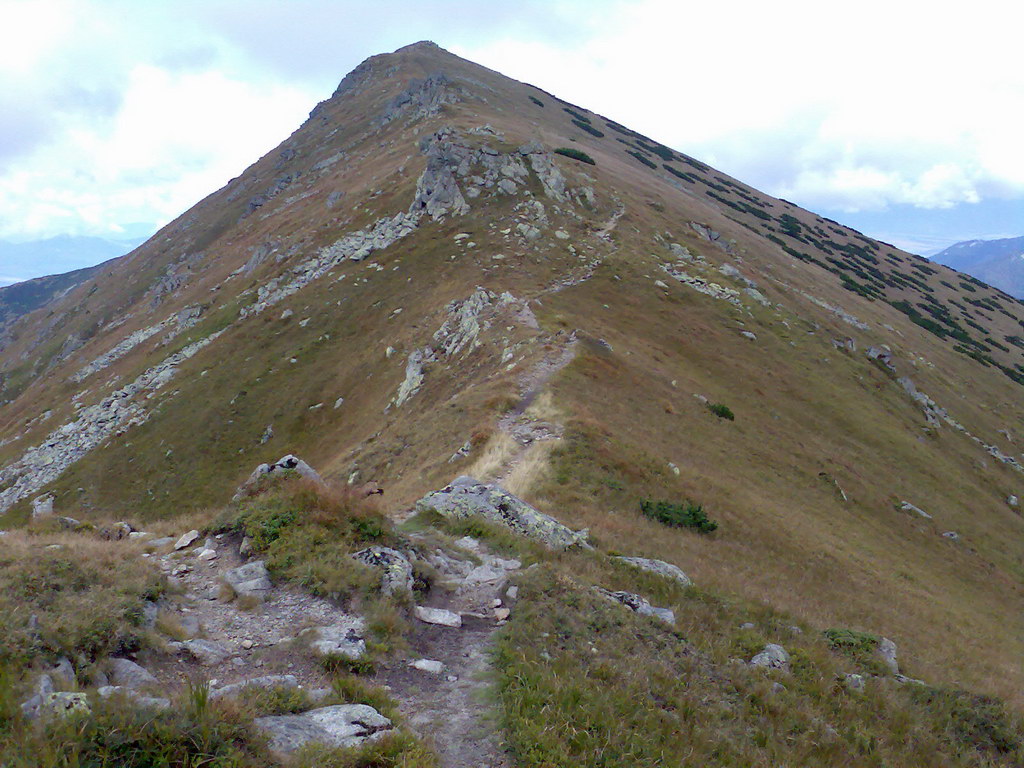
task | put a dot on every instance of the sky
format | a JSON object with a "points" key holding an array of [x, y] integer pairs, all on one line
{"points": [[899, 118]]}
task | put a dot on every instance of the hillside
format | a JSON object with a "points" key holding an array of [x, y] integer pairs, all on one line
{"points": [[996, 262], [445, 272]]}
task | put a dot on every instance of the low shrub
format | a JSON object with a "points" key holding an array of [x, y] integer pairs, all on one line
{"points": [[575, 154], [588, 128], [537, 101], [722, 411], [688, 515]]}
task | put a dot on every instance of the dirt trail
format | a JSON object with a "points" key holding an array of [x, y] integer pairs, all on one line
{"points": [[450, 710]]}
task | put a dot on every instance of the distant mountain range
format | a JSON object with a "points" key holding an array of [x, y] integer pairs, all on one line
{"points": [[61, 254], [997, 262]]}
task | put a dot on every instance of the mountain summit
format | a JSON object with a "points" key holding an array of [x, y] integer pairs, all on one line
{"points": [[531, 329]]}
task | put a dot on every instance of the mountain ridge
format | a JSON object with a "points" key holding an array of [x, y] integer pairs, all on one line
{"points": [[999, 262], [445, 272]]}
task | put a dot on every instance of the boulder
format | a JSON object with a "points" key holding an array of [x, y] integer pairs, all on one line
{"points": [[249, 579], [438, 616], [1012, 501], [886, 649], [465, 497], [771, 657], [341, 639], [341, 725], [65, 704], [396, 570], [639, 605], [137, 699], [854, 682], [186, 539], [125, 673], [287, 463], [64, 673], [206, 652], [659, 567], [116, 531], [42, 506], [428, 665]]}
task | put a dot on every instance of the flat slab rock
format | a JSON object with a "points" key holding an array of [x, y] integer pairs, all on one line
{"points": [[341, 639], [341, 725], [466, 497], [251, 579], [440, 616], [206, 652]]}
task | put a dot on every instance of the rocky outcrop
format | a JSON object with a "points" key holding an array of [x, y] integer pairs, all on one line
{"points": [[699, 284], [422, 99], [249, 580], [639, 604], [95, 424], [344, 638], [341, 725], [172, 326], [543, 165], [466, 497], [287, 463]]}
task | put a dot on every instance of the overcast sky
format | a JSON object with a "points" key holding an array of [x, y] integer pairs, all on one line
{"points": [[900, 118]]}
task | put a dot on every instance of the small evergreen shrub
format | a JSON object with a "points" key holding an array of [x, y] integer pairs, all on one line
{"points": [[537, 101], [722, 411], [688, 515], [588, 128], [575, 154], [641, 158]]}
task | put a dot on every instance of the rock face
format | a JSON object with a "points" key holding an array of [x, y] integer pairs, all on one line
{"points": [[659, 567], [466, 497], [639, 604], [342, 725], [250, 579], [396, 570], [772, 657]]}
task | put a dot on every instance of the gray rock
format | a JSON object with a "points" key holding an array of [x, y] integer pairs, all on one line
{"points": [[249, 579], [127, 674], [186, 539], [906, 506], [639, 605], [771, 657], [65, 704], [160, 543], [342, 725], [466, 497], [659, 567], [267, 681], [136, 698], [207, 652], [150, 611], [64, 673], [68, 523], [396, 570], [749, 335], [438, 616], [886, 649], [903, 680], [951, 535], [428, 665], [42, 506], [287, 463], [341, 639], [245, 548], [854, 682], [1012, 501]]}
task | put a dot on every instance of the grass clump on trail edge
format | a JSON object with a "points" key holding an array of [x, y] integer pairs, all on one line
{"points": [[688, 515], [306, 533], [87, 596], [575, 154], [584, 681]]}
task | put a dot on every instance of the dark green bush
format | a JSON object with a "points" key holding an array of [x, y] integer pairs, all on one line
{"points": [[537, 101], [688, 515], [588, 128], [722, 411], [641, 158], [575, 154]]}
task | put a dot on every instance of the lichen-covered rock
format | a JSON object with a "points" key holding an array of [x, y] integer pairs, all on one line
{"points": [[341, 639], [639, 604], [341, 725], [659, 567], [66, 704], [466, 497], [396, 570], [771, 657]]}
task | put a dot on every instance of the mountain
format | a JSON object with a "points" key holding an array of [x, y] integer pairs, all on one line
{"points": [[996, 262], [447, 273], [59, 255]]}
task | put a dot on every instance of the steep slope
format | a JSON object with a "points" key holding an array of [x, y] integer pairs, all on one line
{"points": [[418, 284], [996, 262]]}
